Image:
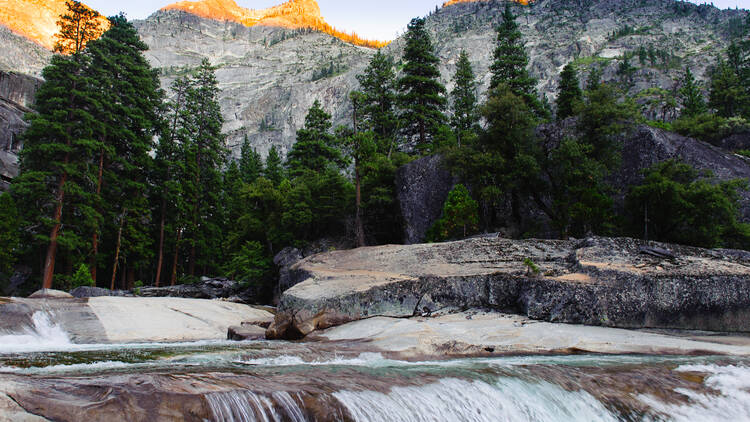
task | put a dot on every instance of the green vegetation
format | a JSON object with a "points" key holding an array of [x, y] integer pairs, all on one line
{"points": [[421, 95], [119, 184], [675, 204]]}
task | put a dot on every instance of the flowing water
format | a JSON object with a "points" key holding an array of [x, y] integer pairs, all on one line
{"points": [[276, 381]]}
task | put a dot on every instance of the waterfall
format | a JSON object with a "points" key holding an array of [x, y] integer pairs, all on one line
{"points": [[41, 336], [246, 406], [460, 400]]}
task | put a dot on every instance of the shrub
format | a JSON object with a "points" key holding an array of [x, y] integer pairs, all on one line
{"points": [[82, 277]]}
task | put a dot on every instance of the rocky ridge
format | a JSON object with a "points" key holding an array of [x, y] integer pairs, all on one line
{"points": [[622, 283], [270, 76]]}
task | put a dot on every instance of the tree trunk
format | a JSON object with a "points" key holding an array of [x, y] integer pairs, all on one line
{"points": [[358, 217], [176, 256], [95, 237], [49, 263], [117, 250], [160, 261]]}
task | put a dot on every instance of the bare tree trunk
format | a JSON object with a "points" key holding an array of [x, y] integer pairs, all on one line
{"points": [[176, 256], [117, 249], [161, 241], [95, 237], [49, 263], [358, 217]]}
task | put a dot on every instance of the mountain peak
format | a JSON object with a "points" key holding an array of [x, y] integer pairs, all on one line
{"points": [[35, 19], [294, 14]]}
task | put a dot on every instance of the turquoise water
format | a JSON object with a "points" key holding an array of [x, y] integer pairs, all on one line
{"points": [[279, 381]]}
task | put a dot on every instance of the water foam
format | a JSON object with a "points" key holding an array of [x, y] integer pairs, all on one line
{"points": [[246, 406], [474, 401], [364, 359], [731, 404], [44, 335]]}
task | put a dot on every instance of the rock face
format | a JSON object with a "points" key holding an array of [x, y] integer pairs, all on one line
{"points": [[599, 281], [16, 96], [127, 319], [646, 146], [270, 76], [422, 187]]}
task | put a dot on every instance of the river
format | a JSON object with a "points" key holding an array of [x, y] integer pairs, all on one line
{"points": [[47, 375]]}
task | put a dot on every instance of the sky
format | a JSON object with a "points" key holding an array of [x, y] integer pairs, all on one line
{"points": [[374, 19]]}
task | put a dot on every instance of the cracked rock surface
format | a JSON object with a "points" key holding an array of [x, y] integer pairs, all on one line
{"points": [[597, 281]]}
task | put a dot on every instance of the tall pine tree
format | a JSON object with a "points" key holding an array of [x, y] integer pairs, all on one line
{"points": [[421, 95], [379, 99], [274, 170], [691, 96], [315, 149], [251, 165], [510, 61], [569, 96], [465, 117]]}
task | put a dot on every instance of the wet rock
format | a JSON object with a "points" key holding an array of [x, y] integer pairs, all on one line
{"points": [[50, 294], [422, 187], [599, 281], [246, 332]]}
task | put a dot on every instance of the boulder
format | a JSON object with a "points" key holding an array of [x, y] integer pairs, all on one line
{"points": [[422, 187], [246, 332], [207, 288], [86, 291], [50, 294], [598, 281]]}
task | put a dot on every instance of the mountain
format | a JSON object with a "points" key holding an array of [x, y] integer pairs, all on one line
{"points": [[35, 20], [294, 14], [271, 74]]}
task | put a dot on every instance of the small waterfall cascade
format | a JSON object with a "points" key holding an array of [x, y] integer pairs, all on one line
{"points": [[42, 335], [246, 406]]}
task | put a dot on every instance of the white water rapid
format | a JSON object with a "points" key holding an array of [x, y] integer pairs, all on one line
{"points": [[43, 335]]}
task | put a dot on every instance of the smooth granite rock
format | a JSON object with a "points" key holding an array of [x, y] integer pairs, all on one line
{"points": [[598, 281]]}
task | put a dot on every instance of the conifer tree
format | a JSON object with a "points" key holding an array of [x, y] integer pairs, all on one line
{"points": [[727, 95], [510, 61], [274, 170], [315, 148], [78, 26], [421, 95], [130, 98], [691, 96], [464, 95], [379, 99], [52, 187], [170, 175], [205, 155], [10, 239], [569, 96], [251, 164]]}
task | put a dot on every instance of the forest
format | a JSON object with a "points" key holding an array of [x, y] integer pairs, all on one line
{"points": [[122, 185]]}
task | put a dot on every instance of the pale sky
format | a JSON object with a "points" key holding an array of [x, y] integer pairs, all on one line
{"points": [[378, 19]]}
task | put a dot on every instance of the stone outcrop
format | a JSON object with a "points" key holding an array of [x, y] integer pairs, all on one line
{"points": [[86, 291], [598, 281], [207, 288], [422, 187], [105, 320]]}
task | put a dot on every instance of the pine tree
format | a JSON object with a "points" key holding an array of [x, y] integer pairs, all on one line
{"points": [[251, 164], [205, 156], [274, 170], [10, 239], [691, 96], [315, 148], [52, 189], [130, 98], [727, 95], [421, 95], [569, 96], [360, 147], [379, 100], [78, 26], [465, 116], [510, 61], [170, 175]]}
